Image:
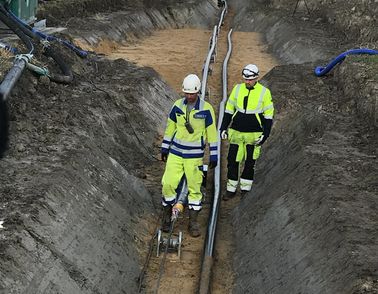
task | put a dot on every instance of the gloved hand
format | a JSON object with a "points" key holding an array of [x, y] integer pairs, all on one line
{"points": [[224, 135], [213, 164], [176, 210], [261, 140], [164, 157]]}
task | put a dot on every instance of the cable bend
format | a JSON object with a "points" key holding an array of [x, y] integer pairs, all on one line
{"points": [[321, 71]]}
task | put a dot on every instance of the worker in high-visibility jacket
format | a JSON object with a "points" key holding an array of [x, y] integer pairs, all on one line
{"points": [[247, 123], [190, 123]]}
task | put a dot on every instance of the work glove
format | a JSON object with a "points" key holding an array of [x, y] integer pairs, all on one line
{"points": [[164, 157], [260, 140], [213, 164], [224, 135], [176, 210]]}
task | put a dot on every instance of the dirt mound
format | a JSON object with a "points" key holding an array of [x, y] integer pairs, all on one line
{"points": [[310, 224], [76, 212], [311, 217], [355, 19], [66, 183]]}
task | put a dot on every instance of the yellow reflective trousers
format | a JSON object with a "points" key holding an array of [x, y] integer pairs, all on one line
{"points": [[242, 140], [174, 170]]}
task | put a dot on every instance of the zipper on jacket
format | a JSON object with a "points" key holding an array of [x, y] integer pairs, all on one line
{"points": [[245, 102]]}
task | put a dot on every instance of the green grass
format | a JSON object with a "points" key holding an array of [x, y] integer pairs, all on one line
{"points": [[369, 59]]}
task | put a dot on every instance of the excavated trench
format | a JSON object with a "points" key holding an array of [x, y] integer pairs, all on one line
{"points": [[81, 183]]}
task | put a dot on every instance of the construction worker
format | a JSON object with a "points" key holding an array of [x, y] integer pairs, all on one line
{"points": [[190, 123], [249, 112]]}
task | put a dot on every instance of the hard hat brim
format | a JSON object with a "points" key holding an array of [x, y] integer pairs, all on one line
{"points": [[189, 92]]}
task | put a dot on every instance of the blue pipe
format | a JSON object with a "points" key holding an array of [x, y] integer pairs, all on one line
{"points": [[81, 53], [321, 71], [9, 48]]}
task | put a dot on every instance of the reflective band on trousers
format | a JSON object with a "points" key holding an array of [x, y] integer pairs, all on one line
{"points": [[175, 169], [232, 185], [245, 185]]}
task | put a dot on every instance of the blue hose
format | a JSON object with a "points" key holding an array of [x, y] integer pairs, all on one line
{"points": [[8, 47], [81, 53], [321, 71]]}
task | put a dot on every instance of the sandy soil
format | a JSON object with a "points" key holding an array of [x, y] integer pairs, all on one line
{"points": [[173, 54], [72, 222]]}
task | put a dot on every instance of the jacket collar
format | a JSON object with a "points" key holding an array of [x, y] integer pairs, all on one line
{"points": [[197, 106]]}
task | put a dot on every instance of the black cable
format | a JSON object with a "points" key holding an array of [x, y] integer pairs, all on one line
{"points": [[10, 79], [12, 22], [15, 27], [10, 18], [67, 76]]}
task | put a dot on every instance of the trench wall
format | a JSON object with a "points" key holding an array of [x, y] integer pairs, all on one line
{"points": [[124, 26], [354, 19], [307, 226], [309, 39], [76, 215]]}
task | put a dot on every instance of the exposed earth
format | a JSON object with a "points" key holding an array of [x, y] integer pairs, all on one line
{"points": [[80, 186]]}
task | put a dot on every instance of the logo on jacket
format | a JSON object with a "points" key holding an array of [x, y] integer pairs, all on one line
{"points": [[199, 115]]}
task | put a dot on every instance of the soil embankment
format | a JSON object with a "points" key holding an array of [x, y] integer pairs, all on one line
{"points": [[81, 178], [310, 223], [75, 209]]}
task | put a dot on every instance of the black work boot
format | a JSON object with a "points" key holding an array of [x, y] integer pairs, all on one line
{"points": [[194, 230], [229, 195], [167, 214]]}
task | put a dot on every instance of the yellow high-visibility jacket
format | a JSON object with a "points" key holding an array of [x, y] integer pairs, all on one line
{"points": [[249, 110], [179, 141]]}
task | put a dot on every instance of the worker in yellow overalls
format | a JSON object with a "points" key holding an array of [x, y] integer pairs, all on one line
{"points": [[191, 122], [247, 123]]}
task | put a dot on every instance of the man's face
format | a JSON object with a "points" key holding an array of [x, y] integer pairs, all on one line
{"points": [[191, 97], [250, 83]]}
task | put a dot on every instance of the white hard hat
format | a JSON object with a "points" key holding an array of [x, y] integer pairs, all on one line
{"points": [[250, 72], [191, 84]]}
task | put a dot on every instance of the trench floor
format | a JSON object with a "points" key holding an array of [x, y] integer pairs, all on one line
{"points": [[174, 53]]}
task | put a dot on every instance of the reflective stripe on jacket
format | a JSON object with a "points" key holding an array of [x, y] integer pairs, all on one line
{"points": [[249, 107], [177, 138]]}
